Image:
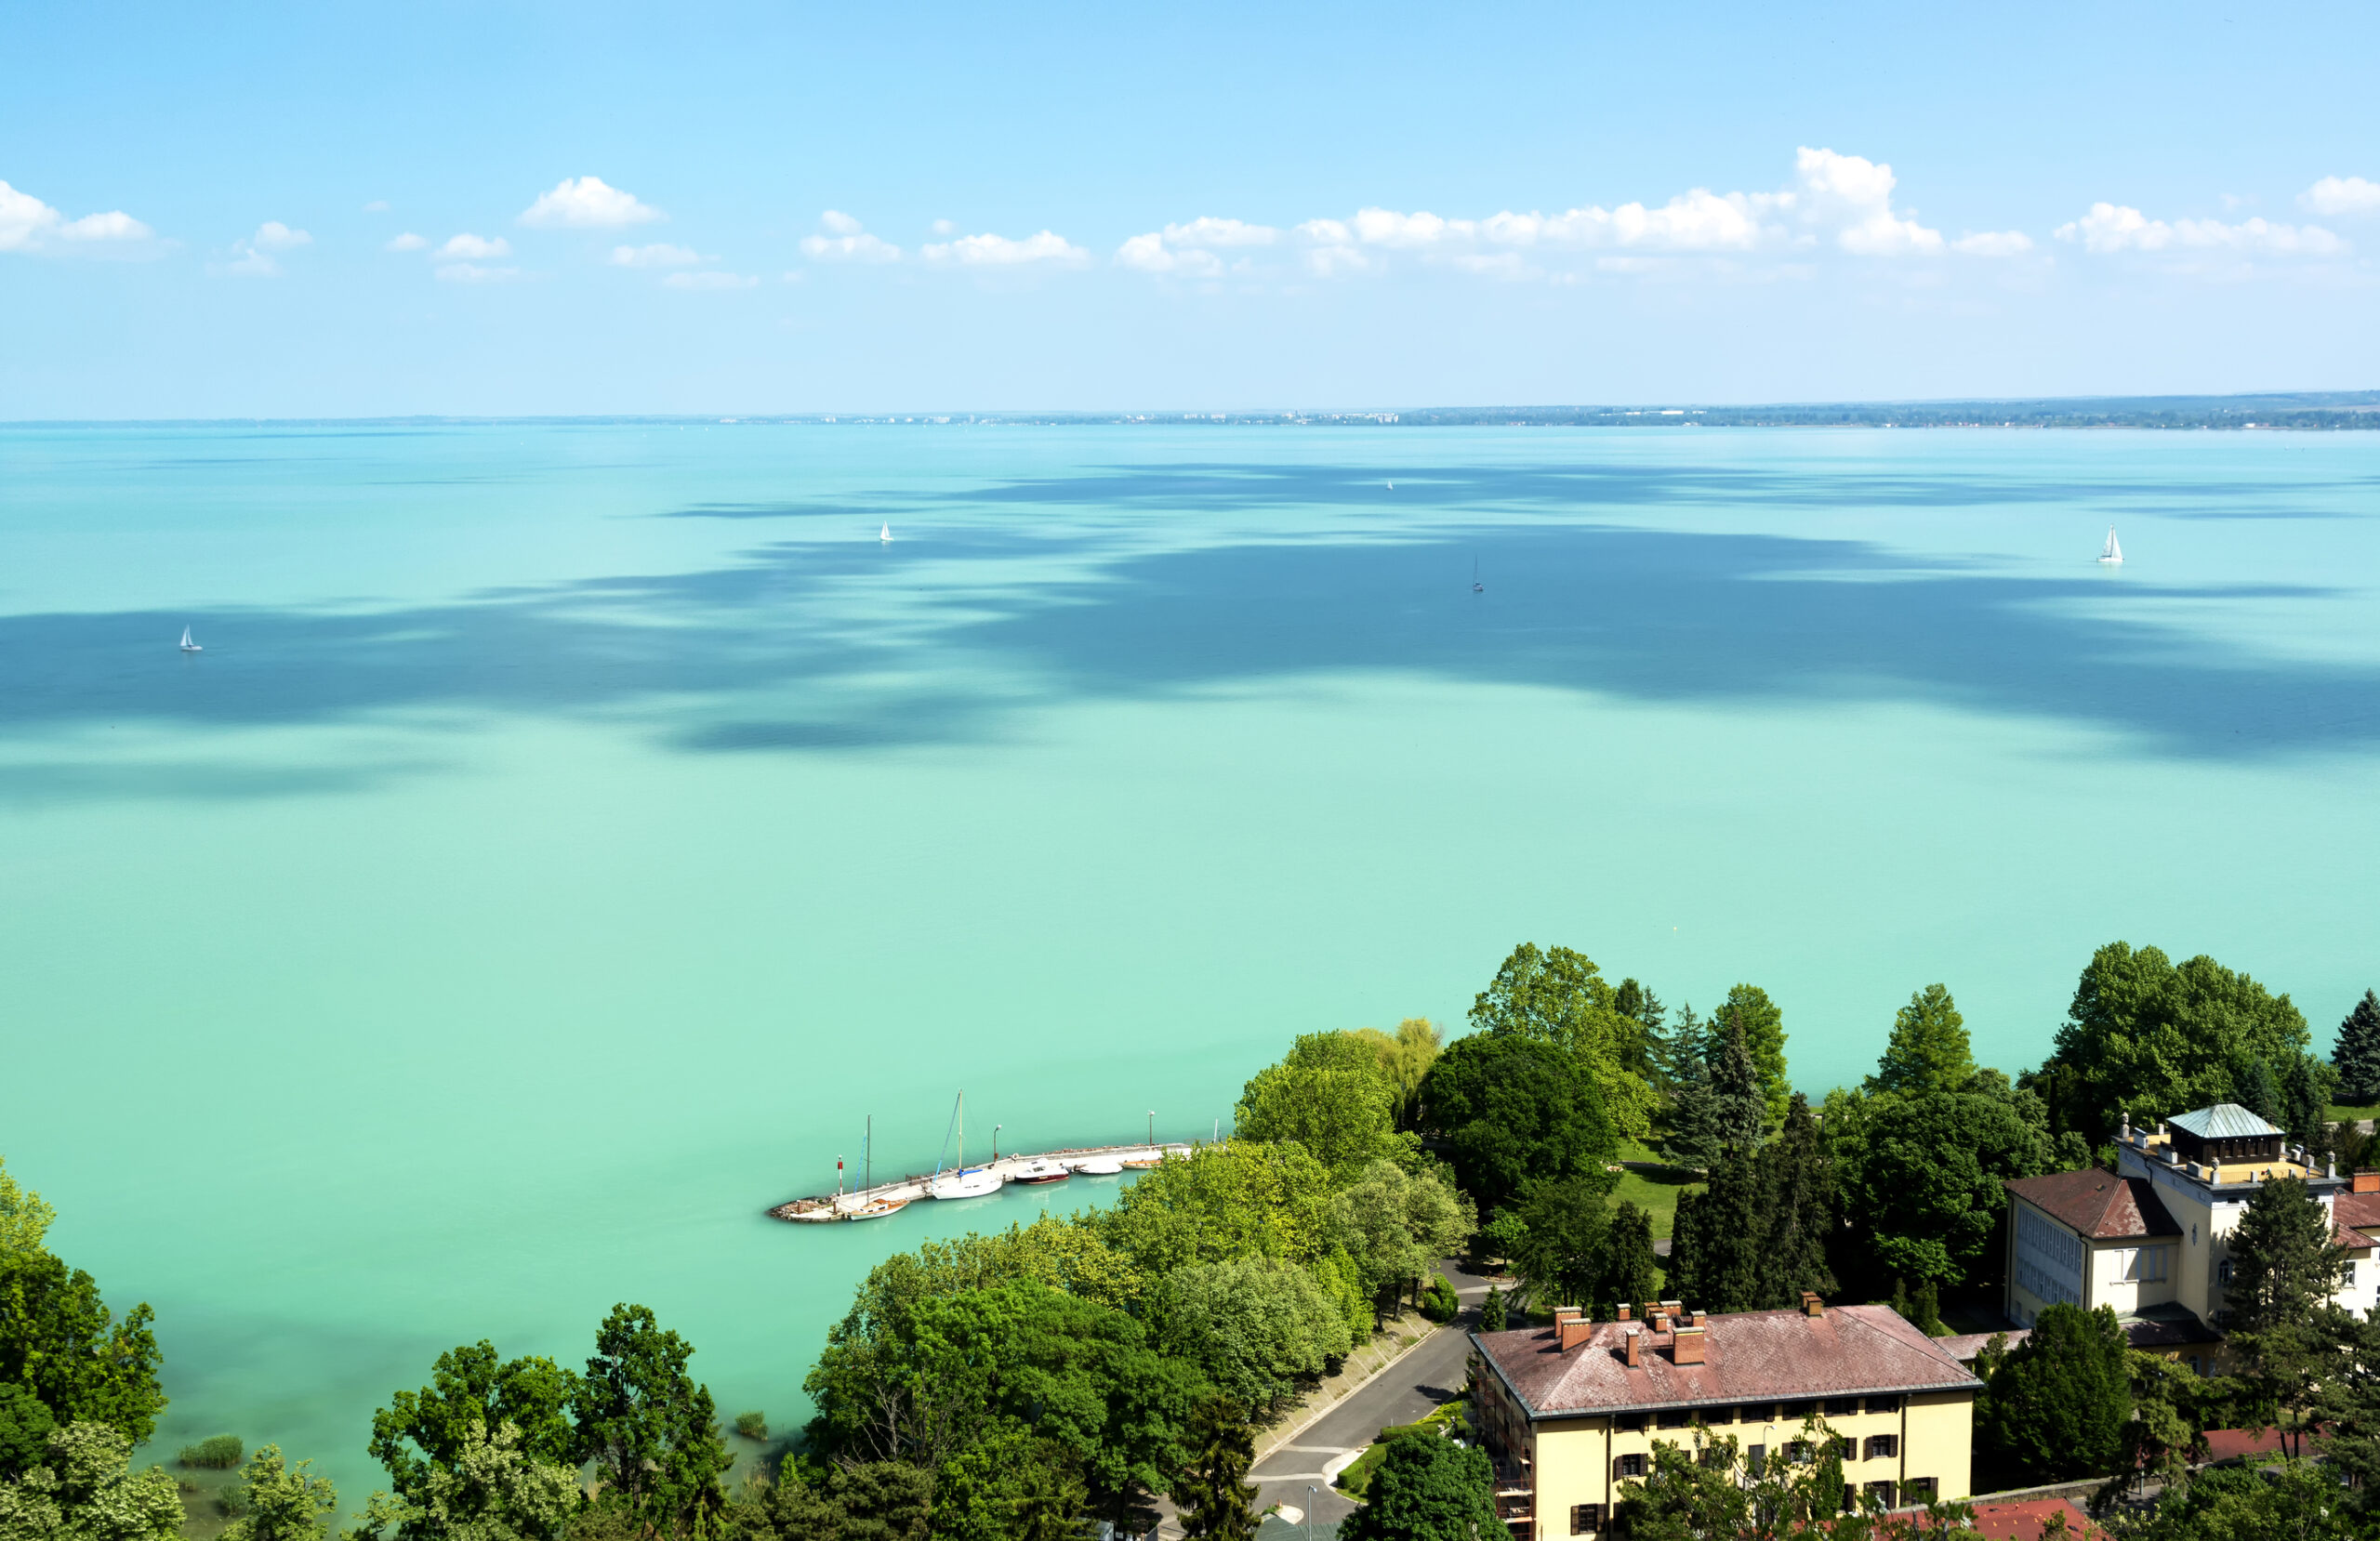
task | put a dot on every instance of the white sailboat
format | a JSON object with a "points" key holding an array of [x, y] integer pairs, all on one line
{"points": [[961, 1183], [189, 646], [885, 536], [2112, 554]]}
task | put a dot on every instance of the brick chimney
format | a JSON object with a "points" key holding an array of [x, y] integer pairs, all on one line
{"points": [[1687, 1346], [1811, 1305], [1625, 1309], [1566, 1313], [1695, 1321], [2364, 1182], [1634, 1351], [1571, 1331]]}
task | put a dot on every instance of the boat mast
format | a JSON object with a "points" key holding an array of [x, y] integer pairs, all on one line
{"points": [[867, 1155]]}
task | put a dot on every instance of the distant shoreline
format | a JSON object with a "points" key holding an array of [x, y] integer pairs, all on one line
{"points": [[2300, 411]]}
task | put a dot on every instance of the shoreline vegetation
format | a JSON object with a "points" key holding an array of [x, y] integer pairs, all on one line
{"points": [[1029, 1384], [2302, 410]]}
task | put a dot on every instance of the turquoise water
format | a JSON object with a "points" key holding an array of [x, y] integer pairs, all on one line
{"points": [[570, 832]]}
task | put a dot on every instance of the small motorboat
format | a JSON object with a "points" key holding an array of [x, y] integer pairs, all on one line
{"points": [[876, 1210], [189, 646], [1096, 1167], [1141, 1161], [975, 1183], [1039, 1171]]}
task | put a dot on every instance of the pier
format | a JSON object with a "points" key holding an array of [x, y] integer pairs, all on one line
{"points": [[830, 1206]]}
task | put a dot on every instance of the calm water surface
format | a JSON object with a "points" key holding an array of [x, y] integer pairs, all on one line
{"points": [[570, 832]]}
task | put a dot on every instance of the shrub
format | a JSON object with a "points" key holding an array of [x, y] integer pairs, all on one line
{"points": [[752, 1426], [1440, 1303], [220, 1453]]}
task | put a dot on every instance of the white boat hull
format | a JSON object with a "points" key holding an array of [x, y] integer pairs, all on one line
{"points": [[966, 1185]]}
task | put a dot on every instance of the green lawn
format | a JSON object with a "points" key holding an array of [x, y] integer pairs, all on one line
{"points": [[2340, 1114], [1654, 1193]]}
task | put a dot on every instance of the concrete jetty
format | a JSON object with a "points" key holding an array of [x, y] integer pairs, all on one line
{"points": [[829, 1206]]}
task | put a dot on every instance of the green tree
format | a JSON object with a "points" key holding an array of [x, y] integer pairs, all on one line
{"points": [[2057, 1406], [1693, 1125], [2283, 1265], [1559, 997], [25, 1427], [1739, 1102], [2356, 1057], [1239, 1199], [2295, 1500], [650, 1429], [24, 1218], [846, 1501], [1397, 1224], [1632, 1268], [1212, 1493], [1800, 1210], [1512, 1110], [1255, 1325], [1494, 1316], [1928, 1050], [493, 1488], [1709, 1490], [1927, 1180], [424, 1434], [85, 1489], [1330, 1095], [1009, 1486], [1405, 1058], [1716, 1238], [1749, 1010], [1564, 1253], [279, 1503], [60, 1341], [1644, 1008], [2304, 1087], [2148, 1037], [1428, 1488]]}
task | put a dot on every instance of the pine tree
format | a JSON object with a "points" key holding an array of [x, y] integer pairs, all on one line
{"points": [[1631, 1270], [2356, 1056], [2284, 1266], [2259, 1094], [1694, 1140], [1929, 1310], [1213, 1496], [1741, 1112], [1716, 1239], [1493, 1316], [2306, 1086], [1928, 1050], [1799, 1212]]}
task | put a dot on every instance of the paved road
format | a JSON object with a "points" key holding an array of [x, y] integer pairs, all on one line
{"points": [[1430, 1374]]}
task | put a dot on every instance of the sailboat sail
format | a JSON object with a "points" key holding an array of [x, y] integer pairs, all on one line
{"points": [[2112, 552], [885, 535]]}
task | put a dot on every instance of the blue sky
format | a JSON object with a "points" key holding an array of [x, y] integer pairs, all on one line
{"points": [[353, 209]]}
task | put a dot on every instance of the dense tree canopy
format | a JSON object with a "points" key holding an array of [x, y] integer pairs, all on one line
{"points": [[1758, 1234], [1428, 1488], [1514, 1110], [85, 1489], [1397, 1225], [59, 1341], [1238, 1199], [2153, 1038], [1560, 997], [24, 1218], [1254, 1326], [1928, 1050], [1926, 1180], [1330, 1095], [2057, 1406], [1405, 1058], [1747, 1010]]}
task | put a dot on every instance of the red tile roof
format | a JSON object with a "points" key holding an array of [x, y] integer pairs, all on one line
{"points": [[2356, 1212], [2026, 1520], [1749, 1356], [2099, 1204]]}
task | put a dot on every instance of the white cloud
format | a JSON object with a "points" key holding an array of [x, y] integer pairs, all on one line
{"points": [[252, 256], [473, 248], [1508, 265], [847, 241], [1335, 258], [998, 250], [588, 203], [471, 272], [709, 281], [408, 241], [115, 224], [943, 227], [2111, 228], [1188, 249], [29, 225], [1208, 230], [378, 205], [659, 255], [1994, 244], [2336, 195]]}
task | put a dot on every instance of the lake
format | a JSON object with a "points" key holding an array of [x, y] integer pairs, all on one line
{"points": [[572, 831]]}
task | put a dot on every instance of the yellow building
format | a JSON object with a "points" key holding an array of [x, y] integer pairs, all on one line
{"points": [[1569, 1414], [2152, 1238]]}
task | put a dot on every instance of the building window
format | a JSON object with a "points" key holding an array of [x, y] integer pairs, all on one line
{"points": [[1798, 1452], [1846, 1447], [1629, 1422], [1756, 1459], [1919, 1490], [1678, 1419], [1883, 1447], [1796, 1411], [1842, 1407], [2222, 1271], [1718, 1415], [1757, 1411], [1882, 1493], [1629, 1465], [1586, 1518], [1884, 1404]]}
